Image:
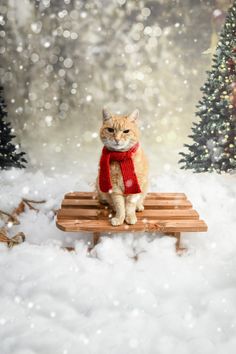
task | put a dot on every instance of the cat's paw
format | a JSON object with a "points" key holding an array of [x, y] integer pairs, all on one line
{"points": [[140, 207], [131, 219], [117, 221]]}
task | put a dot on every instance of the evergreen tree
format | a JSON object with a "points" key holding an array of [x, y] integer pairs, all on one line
{"points": [[214, 147], [9, 157]]}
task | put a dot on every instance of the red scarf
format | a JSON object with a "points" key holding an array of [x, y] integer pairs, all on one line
{"points": [[126, 166]]}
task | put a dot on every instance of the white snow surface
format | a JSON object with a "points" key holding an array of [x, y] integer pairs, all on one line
{"points": [[53, 301]]}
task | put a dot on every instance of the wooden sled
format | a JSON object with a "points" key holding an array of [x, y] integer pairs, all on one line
{"points": [[166, 213]]}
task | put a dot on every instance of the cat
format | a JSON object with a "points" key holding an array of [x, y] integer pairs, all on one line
{"points": [[122, 180]]}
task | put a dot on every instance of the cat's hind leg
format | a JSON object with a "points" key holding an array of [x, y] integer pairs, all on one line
{"points": [[140, 207], [118, 201], [139, 204], [105, 198]]}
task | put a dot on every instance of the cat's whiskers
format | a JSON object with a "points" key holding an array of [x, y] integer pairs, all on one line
{"points": [[118, 146]]}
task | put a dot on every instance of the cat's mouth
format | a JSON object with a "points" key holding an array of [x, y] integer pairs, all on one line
{"points": [[118, 145]]}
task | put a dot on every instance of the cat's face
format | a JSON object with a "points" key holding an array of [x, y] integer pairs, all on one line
{"points": [[121, 132]]}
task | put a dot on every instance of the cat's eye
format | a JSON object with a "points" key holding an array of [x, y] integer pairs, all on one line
{"points": [[126, 131], [111, 130]]}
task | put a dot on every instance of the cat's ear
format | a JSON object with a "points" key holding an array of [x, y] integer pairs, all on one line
{"points": [[133, 117], [106, 115]]}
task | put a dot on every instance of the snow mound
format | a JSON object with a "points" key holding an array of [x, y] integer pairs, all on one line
{"points": [[133, 293]]}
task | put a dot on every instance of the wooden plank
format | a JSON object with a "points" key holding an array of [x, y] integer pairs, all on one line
{"points": [[81, 195], [163, 214], [150, 226], [93, 195], [77, 213], [91, 203], [149, 203]]}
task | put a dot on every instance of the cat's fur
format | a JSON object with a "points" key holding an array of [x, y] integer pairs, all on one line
{"points": [[125, 206]]}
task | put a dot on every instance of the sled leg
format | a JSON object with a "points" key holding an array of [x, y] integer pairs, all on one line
{"points": [[178, 247], [96, 237]]}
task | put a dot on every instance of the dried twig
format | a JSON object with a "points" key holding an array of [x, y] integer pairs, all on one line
{"points": [[28, 202], [20, 236], [20, 209], [5, 213], [3, 235], [34, 201], [15, 240], [11, 218]]}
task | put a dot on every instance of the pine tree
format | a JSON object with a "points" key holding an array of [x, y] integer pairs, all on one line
{"points": [[8, 154], [214, 147]]}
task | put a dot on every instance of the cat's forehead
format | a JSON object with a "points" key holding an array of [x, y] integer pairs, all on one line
{"points": [[119, 117], [118, 121]]}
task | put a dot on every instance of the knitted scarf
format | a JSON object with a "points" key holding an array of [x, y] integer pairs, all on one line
{"points": [[127, 169]]}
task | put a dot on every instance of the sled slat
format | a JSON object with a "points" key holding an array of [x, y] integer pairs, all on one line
{"points": [[149, 203], [93, 195], [149, 226], [164, 214]]}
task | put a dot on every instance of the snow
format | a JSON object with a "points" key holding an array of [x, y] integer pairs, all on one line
{"points": [[133, 294]]}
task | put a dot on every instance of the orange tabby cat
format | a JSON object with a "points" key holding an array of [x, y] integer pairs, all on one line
{"points": [[120, 134]]}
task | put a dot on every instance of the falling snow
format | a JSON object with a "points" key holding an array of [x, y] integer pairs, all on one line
{"points": [[125, 54], [61, 62]]}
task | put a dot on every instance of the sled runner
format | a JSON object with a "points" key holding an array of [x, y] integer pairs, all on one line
{"points": [[166, 213]]}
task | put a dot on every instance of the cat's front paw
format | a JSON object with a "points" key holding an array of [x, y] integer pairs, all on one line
{"points": [[131, 219], [117, 221]]}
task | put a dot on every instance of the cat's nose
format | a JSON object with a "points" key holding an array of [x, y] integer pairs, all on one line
{"points": [[117, 141]]}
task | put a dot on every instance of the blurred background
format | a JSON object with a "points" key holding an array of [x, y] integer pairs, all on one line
{"points": [[62, 61]]}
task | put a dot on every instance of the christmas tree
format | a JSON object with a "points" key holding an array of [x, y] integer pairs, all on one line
{"points": [[214, 147], [8, 154]]}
